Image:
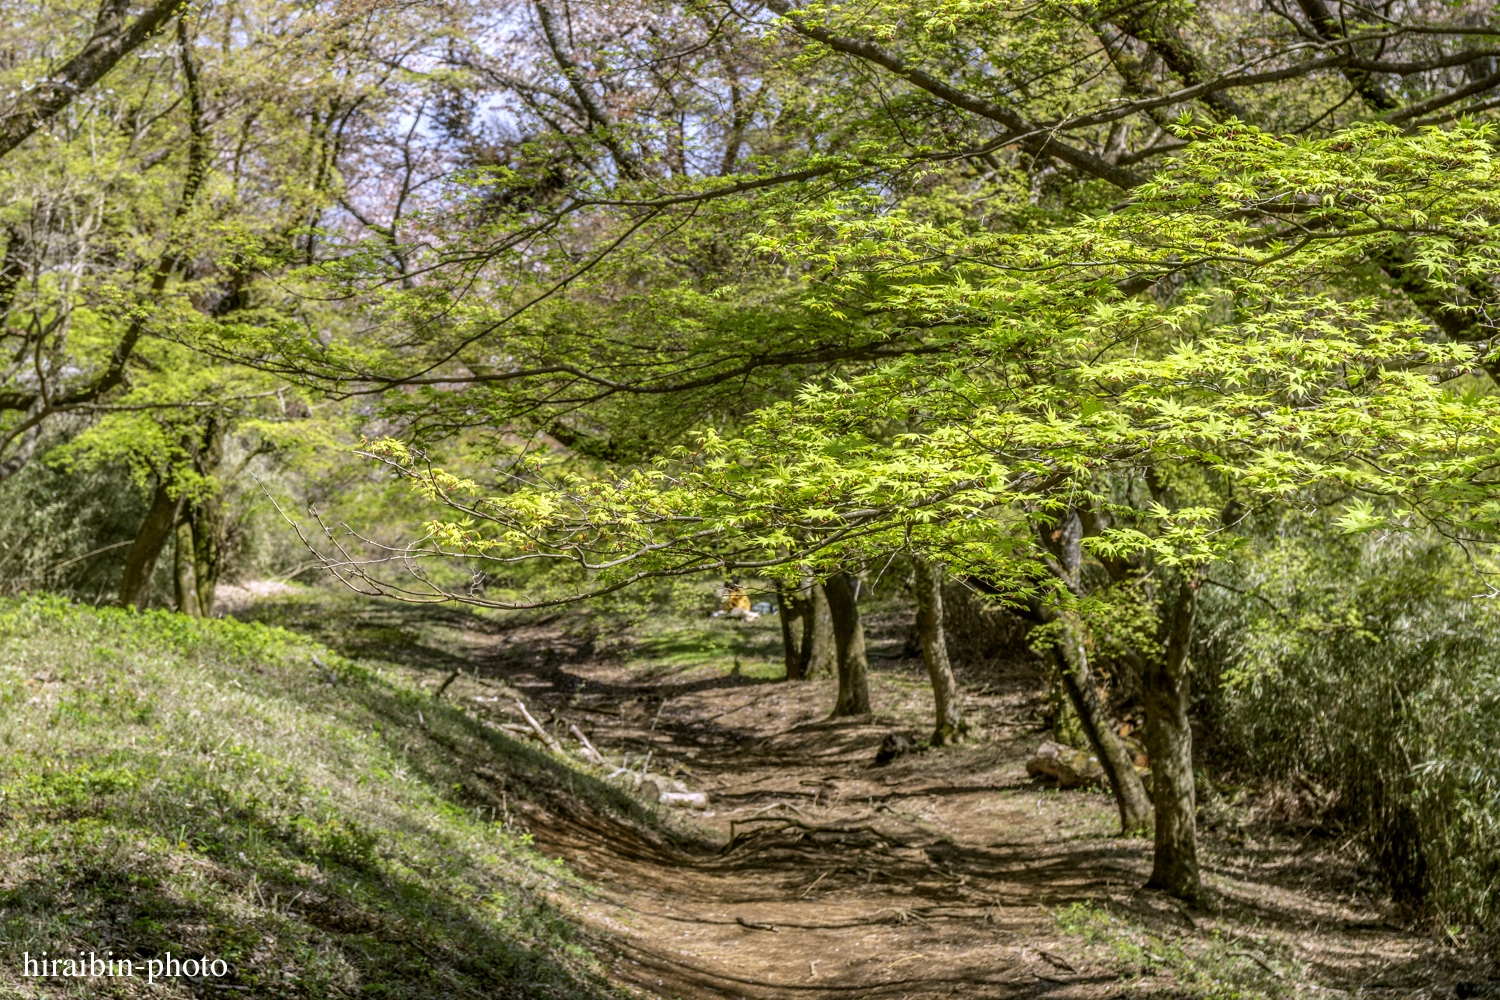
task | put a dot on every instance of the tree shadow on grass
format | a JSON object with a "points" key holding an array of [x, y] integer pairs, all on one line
{"points": [[363, 856], [293, 918]]}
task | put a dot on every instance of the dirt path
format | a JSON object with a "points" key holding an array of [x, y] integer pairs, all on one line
{"points": [[947, 874], [940, 875]]}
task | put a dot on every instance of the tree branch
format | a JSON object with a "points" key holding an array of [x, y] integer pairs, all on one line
{"points": [[602, 127], [1033, 137], [111, 40]]}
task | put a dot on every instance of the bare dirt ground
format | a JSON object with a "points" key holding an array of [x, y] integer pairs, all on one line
{"points": [[947, 874], [942, 874]]}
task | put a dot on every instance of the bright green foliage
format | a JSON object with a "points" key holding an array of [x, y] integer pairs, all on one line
{"points": [[1263, 379], [156, 213], [1256, 374]]}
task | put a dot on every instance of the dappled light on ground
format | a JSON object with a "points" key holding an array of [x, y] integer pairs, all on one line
{"points": [[948, 873]]}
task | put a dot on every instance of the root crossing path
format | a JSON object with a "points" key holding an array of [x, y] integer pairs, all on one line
{"points": [[948, 873]]}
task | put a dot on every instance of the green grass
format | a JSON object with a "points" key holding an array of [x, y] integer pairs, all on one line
{"points": [[416, 636], [663, 638], [207, 788], [1206, 967], [718, 642]]}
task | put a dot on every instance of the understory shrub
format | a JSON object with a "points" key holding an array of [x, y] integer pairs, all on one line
{"points": [[1373, 668]]}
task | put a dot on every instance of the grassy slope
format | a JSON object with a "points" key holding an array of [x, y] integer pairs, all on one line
{"points": [[207, 788]]}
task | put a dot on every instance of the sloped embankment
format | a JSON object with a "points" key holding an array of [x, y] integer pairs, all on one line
{"points": [[233, 792]]}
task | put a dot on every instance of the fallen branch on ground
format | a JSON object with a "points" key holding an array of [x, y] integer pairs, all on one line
{"points": [[588, 748], [773, 805], [536, 727], [754, 926], [444, 686], [788, 823], [1252, 956]]}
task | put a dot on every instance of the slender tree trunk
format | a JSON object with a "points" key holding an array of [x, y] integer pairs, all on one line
{"points": [[849, 644], [140, 564], [1170, 742], [949, 725], [1065, 725], [207, 522], [183, 576], [207, 519], [1078, 680], [792, 608], [1064, 542], [819, 656]]}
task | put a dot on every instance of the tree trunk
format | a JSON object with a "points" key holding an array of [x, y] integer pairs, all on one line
{"points": [[1063, 540], [207, 519], [207, 522], [849, 644], [818, 654], [1170, 742], [1078, 680], [793, 608], [140, 564], [183, 576], [949, 726], [1066, 728]]}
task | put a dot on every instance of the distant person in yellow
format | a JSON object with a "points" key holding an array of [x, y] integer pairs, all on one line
{"points": [[734, 602]]}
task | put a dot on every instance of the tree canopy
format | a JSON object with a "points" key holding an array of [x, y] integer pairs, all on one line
{"points": [[1067, 300]]}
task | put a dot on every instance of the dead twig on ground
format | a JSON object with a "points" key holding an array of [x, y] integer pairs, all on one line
{"points": [[813, 885], [588, 748], [738, 708], [515, 730], [755, 926], [444, 686], [903, 916], [536, 727], [903, 960], [774, 805], [1054, 960], [1252, 956]]}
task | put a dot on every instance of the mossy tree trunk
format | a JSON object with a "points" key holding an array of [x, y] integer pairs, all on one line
{"points": [[207, 523], [140, 563], [819, 656], [1078, 682], [1169, 739], [842, 590], [1066, 728], [793, 608], [1063, 542], [206, 516], [184, 576], [949, 724]]}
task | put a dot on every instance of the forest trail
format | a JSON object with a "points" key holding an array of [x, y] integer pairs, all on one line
{"points": [[948, 873]]}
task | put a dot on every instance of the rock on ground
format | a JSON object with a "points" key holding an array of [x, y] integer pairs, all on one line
{"points": [[1070, 767]]}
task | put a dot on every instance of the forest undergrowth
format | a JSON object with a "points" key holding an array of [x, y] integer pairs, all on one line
{"points": [[814, 872], [223, 791]]}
